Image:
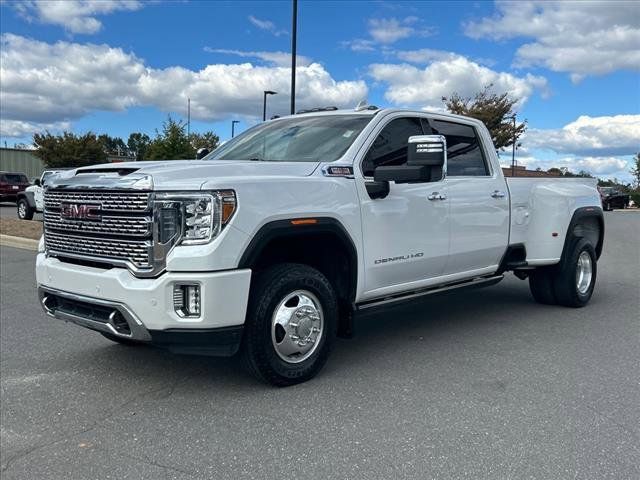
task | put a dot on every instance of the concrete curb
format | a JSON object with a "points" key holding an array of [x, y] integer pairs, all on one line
{"points": [[18, 242]]}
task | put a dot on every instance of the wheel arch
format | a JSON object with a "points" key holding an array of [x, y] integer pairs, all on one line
{"points": [[580, 227], [325, 236], [28, 196]]}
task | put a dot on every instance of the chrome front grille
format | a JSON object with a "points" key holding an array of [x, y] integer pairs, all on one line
{"points": [[137, 253], [121, 235], [110, 201], [115, 225]]}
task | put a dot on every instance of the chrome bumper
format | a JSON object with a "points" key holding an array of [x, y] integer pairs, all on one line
{"points": [[96, 314]]}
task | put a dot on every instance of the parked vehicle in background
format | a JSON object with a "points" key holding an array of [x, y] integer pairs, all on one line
{"points": [[11, 184], [31, 201], [273, 242], [612, 198]]}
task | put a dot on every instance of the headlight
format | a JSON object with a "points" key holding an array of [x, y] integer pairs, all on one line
{"points": [[193, 218]]}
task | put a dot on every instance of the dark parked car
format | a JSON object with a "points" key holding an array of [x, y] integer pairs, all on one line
{"points": [[612, 198], [11, 184]]}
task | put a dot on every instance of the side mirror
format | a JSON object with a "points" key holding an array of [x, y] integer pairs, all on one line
{"points": [[402, 174], [202, 152], [377, 189], [37, 182], [429, 151]]}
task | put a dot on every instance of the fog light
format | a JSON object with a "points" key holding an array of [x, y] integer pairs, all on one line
{"points": [[186, 299]]}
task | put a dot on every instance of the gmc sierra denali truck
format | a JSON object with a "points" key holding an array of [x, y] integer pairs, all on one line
{"points": [[270, 244]]}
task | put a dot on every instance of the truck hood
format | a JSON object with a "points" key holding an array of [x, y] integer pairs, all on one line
{"points": [[178, 174]]}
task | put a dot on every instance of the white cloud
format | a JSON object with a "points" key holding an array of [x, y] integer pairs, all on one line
{"points": [[48, 83], [385, 31], [590, 136], [75, 16], [425, 55], [19, 129], [412, 86], [267, 25], [280, 59], [581, 38]]}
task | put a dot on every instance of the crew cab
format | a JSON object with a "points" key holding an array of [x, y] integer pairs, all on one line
{"points": [[271, 244], [11, 184]]}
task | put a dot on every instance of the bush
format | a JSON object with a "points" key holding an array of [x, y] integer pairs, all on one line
{"points": [[635, 196]]}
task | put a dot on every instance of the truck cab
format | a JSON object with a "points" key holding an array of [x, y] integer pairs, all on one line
{"points": [[270, 245]]}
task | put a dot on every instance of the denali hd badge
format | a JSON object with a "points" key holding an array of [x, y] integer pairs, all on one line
{"points": [[81, 211], [410, 256]]}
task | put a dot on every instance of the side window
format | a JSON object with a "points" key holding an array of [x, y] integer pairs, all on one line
{"points": [[390, 146], [464, 152]]}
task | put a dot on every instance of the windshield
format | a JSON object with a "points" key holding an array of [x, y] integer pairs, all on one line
{"points": [[303, 139]]}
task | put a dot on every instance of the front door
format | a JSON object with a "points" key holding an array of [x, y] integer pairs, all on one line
{"points": [[406, 234]]}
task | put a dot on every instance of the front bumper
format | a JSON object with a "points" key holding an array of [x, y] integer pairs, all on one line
{"points": [[115, 302]]}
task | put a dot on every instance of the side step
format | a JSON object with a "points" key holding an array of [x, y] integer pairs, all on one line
{"points": [[403, 297]]}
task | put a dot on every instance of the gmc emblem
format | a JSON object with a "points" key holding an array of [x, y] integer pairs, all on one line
{"points": [[81, 211]]}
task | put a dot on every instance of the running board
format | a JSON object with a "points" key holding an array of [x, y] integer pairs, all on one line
{"points": [[403, 297]]}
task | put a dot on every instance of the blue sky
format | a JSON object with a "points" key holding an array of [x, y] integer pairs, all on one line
{"points": [[121, 66]]}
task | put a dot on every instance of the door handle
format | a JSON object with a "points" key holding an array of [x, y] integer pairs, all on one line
{"points": [[437, 196], [498, 194]]}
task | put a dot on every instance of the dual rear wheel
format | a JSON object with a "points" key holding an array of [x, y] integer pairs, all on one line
{"points": [[571, 282]]}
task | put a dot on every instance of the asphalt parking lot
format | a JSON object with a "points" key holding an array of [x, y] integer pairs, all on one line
{"points": [[9, 210], [482, 384]]}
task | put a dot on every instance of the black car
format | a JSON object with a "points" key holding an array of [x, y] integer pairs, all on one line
{"points": [[613, 198]]}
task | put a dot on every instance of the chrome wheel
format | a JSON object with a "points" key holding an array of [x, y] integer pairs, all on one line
{"points": [[22, 210], [297, 326], [584, 273]]}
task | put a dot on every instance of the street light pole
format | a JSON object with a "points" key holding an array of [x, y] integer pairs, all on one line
{"points": [[294, 35], [233, 127], [188, 117], [264, 103]]}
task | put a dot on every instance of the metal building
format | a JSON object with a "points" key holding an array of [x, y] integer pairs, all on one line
{"points": [[20, 161]]}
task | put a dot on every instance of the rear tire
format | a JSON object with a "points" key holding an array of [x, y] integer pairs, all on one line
{"points": [[541, 285], [576, 275], [25, 212], [121, 340], [291, 324]]}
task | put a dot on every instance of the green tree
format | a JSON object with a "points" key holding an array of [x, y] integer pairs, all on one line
{"points": [[495, 111], [113, 145], [207, 140], [635, 171], [138, 143], [68, 149], [170, 144]]}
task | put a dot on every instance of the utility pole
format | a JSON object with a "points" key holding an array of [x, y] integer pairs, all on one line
{"points": [[294, 34], [188, 117], [233, 127], [513, 149]]}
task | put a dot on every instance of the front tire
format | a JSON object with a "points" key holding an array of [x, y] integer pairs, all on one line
{"points": [[25, 212], [576, 275], [291, 324]]}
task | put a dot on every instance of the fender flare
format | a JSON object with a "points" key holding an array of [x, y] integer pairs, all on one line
{"points": [[28, 196], [286, 228], [578, 215]]}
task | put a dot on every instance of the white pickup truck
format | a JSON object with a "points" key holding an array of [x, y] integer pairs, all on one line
{"points": [[271, 243]]}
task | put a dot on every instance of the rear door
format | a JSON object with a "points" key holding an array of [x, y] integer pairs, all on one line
{"points": [[478, 200]]}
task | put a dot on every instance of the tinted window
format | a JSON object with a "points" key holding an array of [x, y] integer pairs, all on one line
{"points": [[390, 146], [464, 153], [15, 178]]}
